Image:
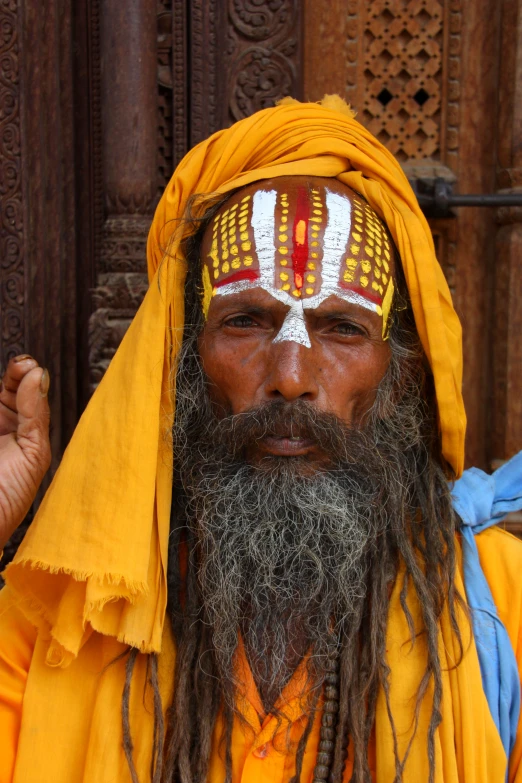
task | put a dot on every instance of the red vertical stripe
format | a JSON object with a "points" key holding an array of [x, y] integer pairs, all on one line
{"points": [[300, 251]]}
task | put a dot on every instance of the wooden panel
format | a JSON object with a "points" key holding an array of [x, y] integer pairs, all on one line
{"points": [[506, 401], [48, 188], [12, 251], [394, 62], [331, 33], [475, 169], [37, 203]]}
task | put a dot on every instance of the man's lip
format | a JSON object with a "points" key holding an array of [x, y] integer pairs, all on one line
{"points": [[285, 445]]}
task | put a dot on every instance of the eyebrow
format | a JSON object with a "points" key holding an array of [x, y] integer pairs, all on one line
{"points": [[248, 307], [337, 315]]}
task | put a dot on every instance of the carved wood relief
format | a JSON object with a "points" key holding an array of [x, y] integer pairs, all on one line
{"points": [[403, 74], [397, 62], [38, 263], [11, 217], [403, 51], [170, 67], [451, 117], [263, 53]]}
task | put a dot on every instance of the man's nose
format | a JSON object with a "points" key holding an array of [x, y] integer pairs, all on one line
{"points": [[292, 372]]}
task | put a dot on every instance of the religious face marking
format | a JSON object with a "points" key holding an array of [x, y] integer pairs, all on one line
{"points": [[301, 245]]}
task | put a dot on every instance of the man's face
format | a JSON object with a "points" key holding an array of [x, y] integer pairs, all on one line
{"points": [[298, 274]]}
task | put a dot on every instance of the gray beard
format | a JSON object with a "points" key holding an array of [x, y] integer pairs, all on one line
{"points": [[282, 553], [283, 557]]}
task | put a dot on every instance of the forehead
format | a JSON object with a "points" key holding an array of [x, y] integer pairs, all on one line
{"points": [[301, 240]]}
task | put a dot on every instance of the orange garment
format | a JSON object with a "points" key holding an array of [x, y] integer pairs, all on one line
{"points": [[90, 574], [70, 727]]}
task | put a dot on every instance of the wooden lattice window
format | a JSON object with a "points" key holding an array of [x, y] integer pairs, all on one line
{"points": [[403, 64]]}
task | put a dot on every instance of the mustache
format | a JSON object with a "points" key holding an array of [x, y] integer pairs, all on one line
{"points": [[297, 419]]}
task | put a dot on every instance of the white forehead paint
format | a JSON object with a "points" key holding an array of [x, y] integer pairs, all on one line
{"points": [[294, 328], [263, 222], [335, 240], [336, 236]]}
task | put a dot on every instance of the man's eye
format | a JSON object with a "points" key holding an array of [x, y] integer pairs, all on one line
{"points": [[240, 322], [348, 329]]}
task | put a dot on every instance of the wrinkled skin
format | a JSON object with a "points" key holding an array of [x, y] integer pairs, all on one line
{"points": [[25, 452], [339, 374]]}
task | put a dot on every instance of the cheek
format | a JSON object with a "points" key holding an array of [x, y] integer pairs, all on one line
{"points": [[235, 374], [350, 379]]}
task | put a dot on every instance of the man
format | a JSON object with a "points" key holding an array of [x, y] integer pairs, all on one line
{"points": [[312, 622]]}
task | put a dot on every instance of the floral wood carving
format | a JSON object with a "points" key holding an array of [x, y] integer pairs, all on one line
{"points": [[204, 69], [263, 54], [12, 295], [124, 244], [116, 299]]}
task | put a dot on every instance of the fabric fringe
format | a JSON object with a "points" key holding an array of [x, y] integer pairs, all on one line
{"points": [[60, 654], [134, 588]]}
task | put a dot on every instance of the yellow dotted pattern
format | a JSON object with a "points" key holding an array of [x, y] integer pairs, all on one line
{"points": [[369, 253], [368, 258], [282, 237], [231, 245]]}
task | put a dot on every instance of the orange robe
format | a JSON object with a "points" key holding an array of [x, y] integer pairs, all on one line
{"points": [[63, 724]]}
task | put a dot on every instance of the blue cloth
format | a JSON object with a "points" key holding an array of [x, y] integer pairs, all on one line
{"points": [[482, 501]]}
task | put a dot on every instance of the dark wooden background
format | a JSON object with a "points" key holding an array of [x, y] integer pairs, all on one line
{"points": [[99, 99]]}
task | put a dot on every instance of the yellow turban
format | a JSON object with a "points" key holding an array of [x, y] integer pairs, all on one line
{"points": [[105, 520]]}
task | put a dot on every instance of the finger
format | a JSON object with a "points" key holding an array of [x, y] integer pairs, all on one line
{"points": [[33, 416], [16, 370]]}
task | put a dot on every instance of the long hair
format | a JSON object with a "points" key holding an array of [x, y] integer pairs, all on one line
{"points": [[420, 537]]}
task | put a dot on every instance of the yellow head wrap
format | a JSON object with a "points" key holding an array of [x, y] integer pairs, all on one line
{"points": [[105, 520]]}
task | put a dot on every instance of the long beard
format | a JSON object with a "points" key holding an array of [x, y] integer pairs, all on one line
{"points": [[298, 562], [283, 552]]}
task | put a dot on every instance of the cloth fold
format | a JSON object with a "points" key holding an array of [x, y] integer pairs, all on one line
{"points": [[481, 501]]}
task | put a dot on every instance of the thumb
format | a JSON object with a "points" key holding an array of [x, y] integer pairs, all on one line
{"points": [[32, 404]]}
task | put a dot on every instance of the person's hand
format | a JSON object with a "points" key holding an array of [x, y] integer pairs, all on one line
{"points": [[25, 452]]}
